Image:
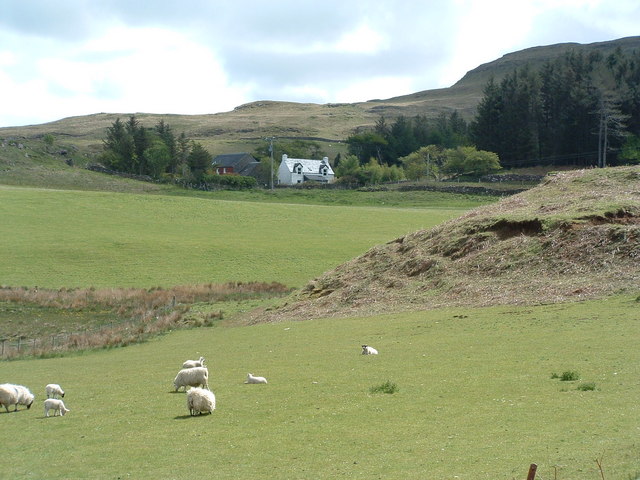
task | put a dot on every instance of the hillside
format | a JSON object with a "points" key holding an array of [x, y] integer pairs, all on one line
{"points": [[245, 127], [576, 236]]}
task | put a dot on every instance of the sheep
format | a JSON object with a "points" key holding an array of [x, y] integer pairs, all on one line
{"points": [[56, 405], [53, 390], [200, 401], [252, 379], [192, 377], [367, 350], [194, 363], [15, 395]]}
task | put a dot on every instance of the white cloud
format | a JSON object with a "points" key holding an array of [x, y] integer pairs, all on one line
{"points": [[141, 70], [363, 39]]}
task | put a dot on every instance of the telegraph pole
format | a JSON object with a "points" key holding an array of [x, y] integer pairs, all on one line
{"points": [[271, 152]]}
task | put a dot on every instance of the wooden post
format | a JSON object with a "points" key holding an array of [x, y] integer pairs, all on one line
{"points": [[532, 471], [4, 340]]}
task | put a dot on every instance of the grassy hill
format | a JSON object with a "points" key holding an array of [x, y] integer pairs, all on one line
{"points": [[245, 127], [576, 236]]}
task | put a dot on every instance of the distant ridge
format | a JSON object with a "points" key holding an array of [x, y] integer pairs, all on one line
{"points": [[245, 127]]}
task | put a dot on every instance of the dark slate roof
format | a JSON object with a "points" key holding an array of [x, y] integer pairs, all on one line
{"points": [[242, 163]]}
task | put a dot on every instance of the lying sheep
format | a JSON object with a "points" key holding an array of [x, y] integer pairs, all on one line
{"points": [[15, 395], [53, 390], [252, 379], [200, 401], [192, 377], [56, 405], [367, 350], [194, 363]]}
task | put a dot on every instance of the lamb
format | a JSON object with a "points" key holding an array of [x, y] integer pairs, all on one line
{"points": [[252, 379], [53, 390], [56, 405], [15, 395], [194, 363], [192, 377], [367, 350], [200, 401]]}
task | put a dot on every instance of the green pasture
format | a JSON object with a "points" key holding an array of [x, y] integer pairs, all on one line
{"points": [[62, 238], [475, 400]]}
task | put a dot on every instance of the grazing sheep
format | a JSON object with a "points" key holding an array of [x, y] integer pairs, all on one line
{"points": [[53, 390], [200, 401], [14, 395], [367, 350], [193, 363], [192, 377], [56, 405], [252, 379]]}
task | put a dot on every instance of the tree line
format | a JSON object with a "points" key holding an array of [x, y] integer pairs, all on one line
{"points": [[388, 143], [580, 109], [131, 148]]}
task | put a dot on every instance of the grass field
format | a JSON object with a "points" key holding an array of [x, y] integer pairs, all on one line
{"points": [[56, 238], [475, 400], [478, 395]]}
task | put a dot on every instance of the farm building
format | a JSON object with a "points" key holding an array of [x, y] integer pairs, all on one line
{"points": [[235, 164], [299, 170]]}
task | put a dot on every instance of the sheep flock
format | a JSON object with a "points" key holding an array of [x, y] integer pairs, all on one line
{"points": [[193, 377]]}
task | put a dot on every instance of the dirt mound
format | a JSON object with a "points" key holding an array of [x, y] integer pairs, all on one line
{"points": [[575, 236]]}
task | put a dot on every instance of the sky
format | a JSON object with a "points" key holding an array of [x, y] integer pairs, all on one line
{"points": [[66, 58]]}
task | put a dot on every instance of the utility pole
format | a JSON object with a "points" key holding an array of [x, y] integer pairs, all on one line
{"points": [[271, 139]]}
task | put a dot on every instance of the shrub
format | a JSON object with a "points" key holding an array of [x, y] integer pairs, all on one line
{"points": [[386, 387], [569, 376], [587, 387]]}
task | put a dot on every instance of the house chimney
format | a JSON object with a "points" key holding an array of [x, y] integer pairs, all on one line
{"points": [[325, 160], [284, 157]]}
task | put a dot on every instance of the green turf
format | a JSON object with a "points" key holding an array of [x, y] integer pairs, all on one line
{"points": [[475, 399], [55, 238]]}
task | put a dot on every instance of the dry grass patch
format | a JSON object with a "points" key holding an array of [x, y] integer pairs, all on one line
{"points": [[576, 236], [86, 318]]}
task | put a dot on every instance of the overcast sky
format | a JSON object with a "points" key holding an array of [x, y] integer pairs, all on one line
{"points": [[76, 57]]}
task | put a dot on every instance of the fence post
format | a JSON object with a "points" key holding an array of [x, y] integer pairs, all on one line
{"points": [[532, 471], [4, 340], [19, 338]]}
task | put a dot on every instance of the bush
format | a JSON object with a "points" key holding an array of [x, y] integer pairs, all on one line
{"points": [[386, 387], [568, 376], [231, 181], [587, 387]]}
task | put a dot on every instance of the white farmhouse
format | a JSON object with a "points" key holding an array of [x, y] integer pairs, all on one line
{"points": [[299, 170]]}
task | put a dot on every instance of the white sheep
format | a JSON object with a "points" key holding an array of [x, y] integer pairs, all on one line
{"points": [[53, 390], [200, 400], [253, 379], [367, 350], [56, 405], [15, 395], [194, 363], [192, 377]]}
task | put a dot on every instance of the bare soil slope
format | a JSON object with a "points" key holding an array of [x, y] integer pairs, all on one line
{"points": [[575, 236]]}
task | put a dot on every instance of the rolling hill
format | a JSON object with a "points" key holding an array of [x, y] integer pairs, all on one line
{"points": [[245, 127], [575, 236]]}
